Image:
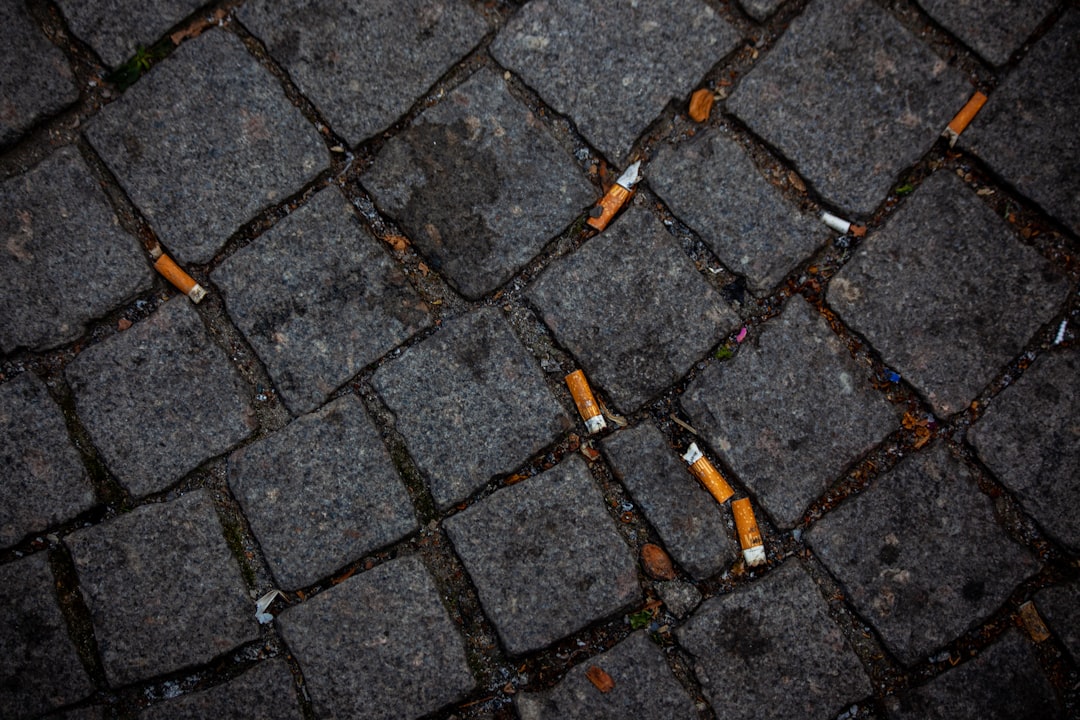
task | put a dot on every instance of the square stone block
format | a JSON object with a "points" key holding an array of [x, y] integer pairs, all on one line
{"points": [[946, 292], [545, 556], [835, 58], [162, 588], [471, 404], [631, 306], [993, 28], [379, 646], [921, 553], [116, 29], [266, 691], [205, 141], [319, 299], [478, 184], [790, 411], [160, 398]]}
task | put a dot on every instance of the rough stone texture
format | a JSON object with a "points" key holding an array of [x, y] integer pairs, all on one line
{"points": [[318, 300], [644, 688], [946, 292], [1026, 131], [159, 398], [266, 691], [790, 411], [478, 184], [693, 526], [761, 9], [1003, 683], [993, 28], [1060, 607], [1030, 437], [920, 553], [320, 493], [545, 557], [42, 478], [162, 588], [403, 656], [772, 645], [632, 308], [205, 141], [117, 28], [843, 55], [613, 66], [364, 66], [37, 80], [679, 597], [65, 259], [40, 669], [471, 403], [713, 186]]}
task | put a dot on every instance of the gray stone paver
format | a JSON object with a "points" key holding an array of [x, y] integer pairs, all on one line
{"points": [[771, 648], [1003, 682], [471, 403], [790, 411], [362, 87], [993, 28], [478, 184], [1030, 437], [613, 66], [714, 186], [851, 98], [693, 526], [321, 493], [319, 299], [644, 688], [545, 557], [1026, 133], [379, 645], [946, 292], [42, 478], [1060, 608], [162, 588], [159, 398], [40, 668], [265, 691], [204, 141], [65, 258], [116, 29], [632, 307], [921, 553], [37, 80]]}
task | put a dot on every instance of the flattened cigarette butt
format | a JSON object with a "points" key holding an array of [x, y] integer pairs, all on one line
{"points": [[963, 118], [600, 679], [841, 225], [183, 282], [707, 473], [701, 103], [614, 198], [753, 547], [586, 403], [1033, 622]]}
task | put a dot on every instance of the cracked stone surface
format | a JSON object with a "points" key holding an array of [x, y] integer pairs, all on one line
{"points": [[264, 691], [116, 29], [993, 28]]}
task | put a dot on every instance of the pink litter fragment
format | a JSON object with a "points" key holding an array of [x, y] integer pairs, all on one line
{"points": [[741, 336]]}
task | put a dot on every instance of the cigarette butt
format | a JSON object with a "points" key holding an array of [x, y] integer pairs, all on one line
{"points": [[184, 282], [614, 198], [841, 225], [701, 103], [600, 679], [753, 547], [707, 473], [1033, 623], [586, 403], [964, 117]]}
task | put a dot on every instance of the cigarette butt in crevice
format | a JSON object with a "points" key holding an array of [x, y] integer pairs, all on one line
{"points": [[183, 282], [586, 403], [964, 117], [1033, 622], [707, 473], [614, 198], [841, 225], [753, 547]]}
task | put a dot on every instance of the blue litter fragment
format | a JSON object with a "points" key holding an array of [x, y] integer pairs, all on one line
{"points": [[892, 376]]}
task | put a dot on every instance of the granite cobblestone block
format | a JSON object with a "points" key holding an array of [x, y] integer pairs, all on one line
{"points": [[993, 29]]}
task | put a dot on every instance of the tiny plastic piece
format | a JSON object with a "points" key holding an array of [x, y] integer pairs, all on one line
{"points": [[1061, 332], [614, 198], [263, 604], [707, 473], [586, 403], [183, 282], [753, 546], [963, 118]]}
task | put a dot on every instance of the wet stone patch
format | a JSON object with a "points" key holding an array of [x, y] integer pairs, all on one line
{"points": [[946, 292], [993, 29], [790, 411], [920, 553], [319, 299], [265, 691], [117, 29], [545, 556], [479, 185]]}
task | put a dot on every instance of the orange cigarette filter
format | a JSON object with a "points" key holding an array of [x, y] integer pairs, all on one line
{"points": [[586, 403], [707, 473], [614, 198], [176, 275], [753, 546], [964, 117]]}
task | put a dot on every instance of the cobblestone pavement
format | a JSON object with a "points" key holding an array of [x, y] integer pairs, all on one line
{"points": [[352, 482]]}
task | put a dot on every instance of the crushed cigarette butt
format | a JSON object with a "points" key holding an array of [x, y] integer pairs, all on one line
{"points": [[1033, 622], [614, 198], [600, 679], [701, 103]]}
